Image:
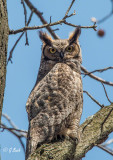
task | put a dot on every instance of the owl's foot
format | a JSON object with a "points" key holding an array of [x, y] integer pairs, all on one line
{"points": [[68, 133], [74, 138], [58, 138]]}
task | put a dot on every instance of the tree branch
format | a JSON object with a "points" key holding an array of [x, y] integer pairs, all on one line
{"points": [[26, 28], [91, 135], [95, 77]]}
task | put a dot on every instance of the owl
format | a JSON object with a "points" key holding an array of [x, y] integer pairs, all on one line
{"points": [[55, 103]]}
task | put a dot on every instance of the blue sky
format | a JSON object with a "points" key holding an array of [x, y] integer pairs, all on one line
{"points": [[21, 74]]}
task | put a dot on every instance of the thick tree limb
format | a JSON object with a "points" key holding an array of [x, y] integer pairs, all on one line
{"points": [[4, 31], [93, 132]]}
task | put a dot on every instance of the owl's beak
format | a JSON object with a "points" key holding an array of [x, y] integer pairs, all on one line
{"points": [[61, 55]]}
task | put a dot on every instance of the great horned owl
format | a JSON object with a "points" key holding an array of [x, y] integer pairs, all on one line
{"points": [[54, 106]]}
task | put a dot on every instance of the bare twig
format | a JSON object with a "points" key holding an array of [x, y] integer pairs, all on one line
{"points": [[106, 93], [105, 149], [69, 9], [100, 70], [27, 43], [56, 29], [72, 14], [85, 27], [11, 52], [50, 19], [25, 14], [93, 99], [95, 77], [25, 11]]}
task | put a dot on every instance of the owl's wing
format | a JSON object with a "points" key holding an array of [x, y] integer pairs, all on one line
{"points": [[50, 103]]}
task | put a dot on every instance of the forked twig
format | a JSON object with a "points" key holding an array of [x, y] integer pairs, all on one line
{"points": [[66, 14]]}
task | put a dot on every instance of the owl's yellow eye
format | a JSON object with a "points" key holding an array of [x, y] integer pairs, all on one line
{"points": [[52, 50], [69, 49]]}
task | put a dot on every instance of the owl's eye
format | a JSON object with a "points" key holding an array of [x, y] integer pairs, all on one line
{"points": [[69, 48], [52, 50]]}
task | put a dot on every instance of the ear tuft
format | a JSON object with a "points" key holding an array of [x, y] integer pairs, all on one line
{"points": [[75, 35], [45, 38]]}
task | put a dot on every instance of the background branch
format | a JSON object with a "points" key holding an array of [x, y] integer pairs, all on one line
{"points": [[15, 132], [107, 16]]}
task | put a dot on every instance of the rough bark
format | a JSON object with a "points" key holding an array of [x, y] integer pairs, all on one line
{"points": [[4, 31], [94, 131]]}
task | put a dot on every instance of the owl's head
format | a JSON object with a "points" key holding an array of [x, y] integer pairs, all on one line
{"points": [[61, 50]]}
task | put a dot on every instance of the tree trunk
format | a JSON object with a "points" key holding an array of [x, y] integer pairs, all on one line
{"points": [[94, 131], [4, 32]]}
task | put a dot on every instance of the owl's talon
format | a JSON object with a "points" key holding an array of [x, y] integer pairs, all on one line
{"points": [[76, 140], [61, 137]]}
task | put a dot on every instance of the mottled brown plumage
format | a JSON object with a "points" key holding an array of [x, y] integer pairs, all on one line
{"points": [[54, 106]]}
